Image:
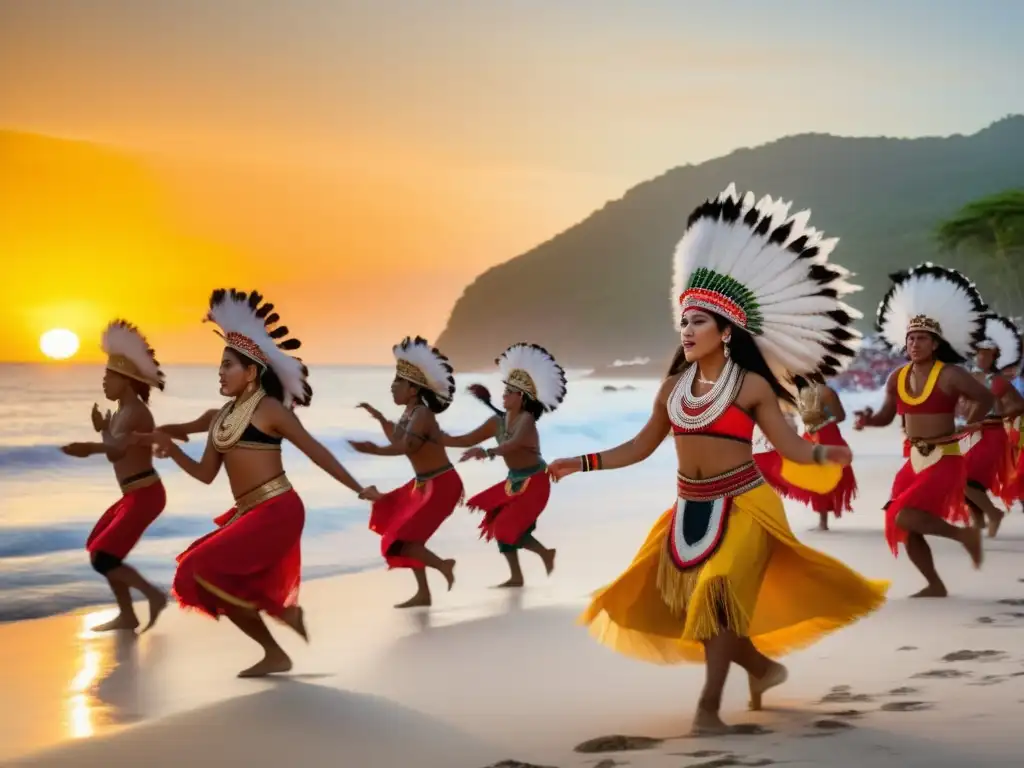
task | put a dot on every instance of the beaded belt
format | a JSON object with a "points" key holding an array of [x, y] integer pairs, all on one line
{"points": [[819, 426], [141, 480], [249, 500], [423, 479], [732, 483]]}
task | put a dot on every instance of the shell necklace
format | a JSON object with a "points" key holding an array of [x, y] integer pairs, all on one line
{"points": [[694, 413], [230, 423]]}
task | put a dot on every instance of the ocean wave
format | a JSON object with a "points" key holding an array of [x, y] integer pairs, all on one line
{"points": [[38, 456]]}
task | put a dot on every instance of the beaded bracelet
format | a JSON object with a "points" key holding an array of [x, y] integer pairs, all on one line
{"points": [[819, 454], [591, 462]]}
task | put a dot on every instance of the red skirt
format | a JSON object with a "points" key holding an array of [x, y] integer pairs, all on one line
{"points": [[252, 562], [990, 463], [511, 507], [937, 490], [837, 501], [120, 528], [413, 513]]}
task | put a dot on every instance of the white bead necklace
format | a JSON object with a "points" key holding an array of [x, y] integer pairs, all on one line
{"points": [[694, 413]]}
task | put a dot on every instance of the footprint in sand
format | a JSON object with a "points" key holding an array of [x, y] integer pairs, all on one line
{"points": [[841, 694], [830, 725], [1011, 601], [848, 714], [907, 648], [963, 655], [991, 680], [517, 764], [903, 691], [608, 764], [941, 674], [907, 706], [617, 743], [731, 760]]}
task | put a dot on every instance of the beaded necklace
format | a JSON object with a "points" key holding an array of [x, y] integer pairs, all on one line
{"points": [[695, 413], [230, 423]]}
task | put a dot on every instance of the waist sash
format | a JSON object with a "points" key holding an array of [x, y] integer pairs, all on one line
{"points": [[248, 501], [141, 480], [702, 511]]}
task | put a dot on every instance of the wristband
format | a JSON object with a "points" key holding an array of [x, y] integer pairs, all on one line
{"points": [[489, 453], [590, 462], [819, 454]]}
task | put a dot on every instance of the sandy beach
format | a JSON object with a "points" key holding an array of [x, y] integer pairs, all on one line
{"points": [[488, 676]]}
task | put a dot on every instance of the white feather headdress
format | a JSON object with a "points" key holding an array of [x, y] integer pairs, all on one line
{"points": [[129, 354], [767, 272], [249, 326], [1003, 335], [532, 370], [423, 365], [935, 299]]}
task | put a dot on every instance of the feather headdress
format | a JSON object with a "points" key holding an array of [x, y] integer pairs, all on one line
{"points": [[251, 328], [1001, 334], [418, 362], [935, 299], [532, 370], [129, 354], [768, 272]]}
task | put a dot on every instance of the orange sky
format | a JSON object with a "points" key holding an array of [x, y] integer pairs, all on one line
{"points": [[360, 163]]}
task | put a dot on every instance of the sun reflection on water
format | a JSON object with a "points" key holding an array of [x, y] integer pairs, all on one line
{"points": [[82, 704]]}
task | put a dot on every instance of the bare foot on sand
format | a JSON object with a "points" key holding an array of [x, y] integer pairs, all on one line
{"points": [[295, 618], [157, 603], [932, 590], [416, 601], [776, 675], [118, 622], [548, 558], [707, 723], [512, 583], [995, 519], [272, 663], [448, 571], [972, 543]]}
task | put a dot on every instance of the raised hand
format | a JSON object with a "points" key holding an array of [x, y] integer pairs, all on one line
{"points": [[473, 453], [371, 410], [99, 422], [861, 418], [162, 442], [838, 454], [560, 468], [363, 446], [78, 450]]}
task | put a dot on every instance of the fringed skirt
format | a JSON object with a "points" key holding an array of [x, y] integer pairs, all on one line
{"points": [[724, 558], [414, 512], [120, 527], [837, 500], [252, 561], [511, 507], [933, 483], [990, 461]]}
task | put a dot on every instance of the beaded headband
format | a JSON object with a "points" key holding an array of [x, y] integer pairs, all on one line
{"points": [[710, 291]]}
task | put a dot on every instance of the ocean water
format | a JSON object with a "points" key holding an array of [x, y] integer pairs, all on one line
{"points": [[49, 502]]}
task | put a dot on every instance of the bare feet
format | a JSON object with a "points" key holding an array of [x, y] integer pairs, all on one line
{"points": [[157, 603], [932, 590], [548, 558], [512, 583], [274, 662], [448, 571], [118, 622], [995, 519], [419, 600], [295, 618], [972, 543], [706, 723], [776, 675]]}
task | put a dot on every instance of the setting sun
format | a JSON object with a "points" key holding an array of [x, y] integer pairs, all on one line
{"points": [[58, 344]]}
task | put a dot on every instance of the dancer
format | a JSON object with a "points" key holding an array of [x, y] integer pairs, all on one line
{"points": [[408, 516], [534, 385], [252, 562], [131, 372], [937, 316], [989, 456], [721, 578]]}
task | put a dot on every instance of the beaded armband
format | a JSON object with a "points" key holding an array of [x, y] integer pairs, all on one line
{"points": [[591, 462]]}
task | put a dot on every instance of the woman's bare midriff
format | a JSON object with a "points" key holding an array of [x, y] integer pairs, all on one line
{"points": [[702, 456], [429, 458], [249, 468]]}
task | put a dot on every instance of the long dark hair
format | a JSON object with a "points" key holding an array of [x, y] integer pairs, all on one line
{"points": [[530, 406], [430, 399], [141, 388], [945, 353], [742, 351], [268, 379]]}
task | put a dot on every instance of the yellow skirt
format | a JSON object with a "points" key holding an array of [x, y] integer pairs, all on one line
{"points": [[761, 583]]}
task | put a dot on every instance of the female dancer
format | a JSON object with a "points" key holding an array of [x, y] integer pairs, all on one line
{"points": [[252, 562], [408, 516], [937, 316], [721, 576], [534, 385], [989, 455], [132, 370]]}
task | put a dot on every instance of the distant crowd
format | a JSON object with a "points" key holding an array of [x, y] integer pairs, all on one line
{"points": [[870, 370]]}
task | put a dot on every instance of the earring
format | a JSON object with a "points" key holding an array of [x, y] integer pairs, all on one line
{"points": [[725, 347]]}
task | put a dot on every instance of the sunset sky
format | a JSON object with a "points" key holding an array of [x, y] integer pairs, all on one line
{"points": [[361, 162]]}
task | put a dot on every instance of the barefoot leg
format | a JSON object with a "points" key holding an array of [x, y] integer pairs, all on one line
{"points": [[417, 551], [132, 579], [295, 618], [763, 674], [422, 597], [982, 510], [546, 555], [126, 618], [823, 521], [274, 660], [515, 571], [920, 555], [719, 653]]}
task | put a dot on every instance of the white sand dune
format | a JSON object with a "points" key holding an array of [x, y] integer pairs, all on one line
{"points": [[488, 675]]}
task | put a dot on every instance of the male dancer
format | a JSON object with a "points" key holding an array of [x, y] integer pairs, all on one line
{"points": [[132, 370], [937, 315]]}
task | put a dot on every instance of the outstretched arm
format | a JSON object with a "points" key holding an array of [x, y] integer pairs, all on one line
{"points": [[782, 436], [387, 426], [885, 415], [204, 470], [1011, 404], [633, 451], [285, 423], [405, 442], [484, 432], [115, 443], [194, 427]]}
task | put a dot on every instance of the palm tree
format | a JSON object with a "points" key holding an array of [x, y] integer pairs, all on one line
{"points": [[992, 228]]}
